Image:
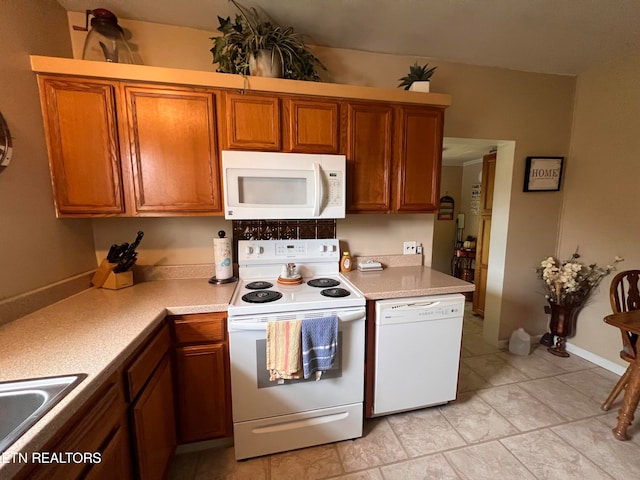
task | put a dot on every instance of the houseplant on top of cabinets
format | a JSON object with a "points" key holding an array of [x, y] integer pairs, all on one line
{"points": [[253, 45], [418, 78]]}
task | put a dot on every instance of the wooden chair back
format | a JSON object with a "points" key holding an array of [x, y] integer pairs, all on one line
{"points": [[624, 295]]}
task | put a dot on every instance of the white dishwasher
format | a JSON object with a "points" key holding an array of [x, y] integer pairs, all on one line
{"points": [[417, 352]]}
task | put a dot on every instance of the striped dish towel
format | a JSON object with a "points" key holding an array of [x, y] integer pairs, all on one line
{"points": [[283, 349], [319, 344]]}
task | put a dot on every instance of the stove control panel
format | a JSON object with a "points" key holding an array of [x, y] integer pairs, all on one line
{"points": [[282, 251]]}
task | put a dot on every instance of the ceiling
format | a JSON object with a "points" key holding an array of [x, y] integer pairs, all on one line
{"points": [[565, 37], [459, 151]]}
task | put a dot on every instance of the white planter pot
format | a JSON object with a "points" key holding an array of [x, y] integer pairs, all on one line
{"points": [[265, 63], [420, 87]]}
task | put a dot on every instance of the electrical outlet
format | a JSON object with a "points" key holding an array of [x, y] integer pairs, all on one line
{"points": [[409, 248]]}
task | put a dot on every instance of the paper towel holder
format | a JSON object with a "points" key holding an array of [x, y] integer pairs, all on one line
{"points": [[221, 281]]}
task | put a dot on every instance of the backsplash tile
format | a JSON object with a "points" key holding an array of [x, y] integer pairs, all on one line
{"points": [[26, 303], [283, 229]]}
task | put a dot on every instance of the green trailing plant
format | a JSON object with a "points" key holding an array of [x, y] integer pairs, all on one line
{"points": [[416, 74], [249, 33]]}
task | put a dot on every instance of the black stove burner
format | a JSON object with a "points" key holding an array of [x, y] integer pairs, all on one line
{"points": [[323, 282], [259, 285], [262, 296], [335, 292]]}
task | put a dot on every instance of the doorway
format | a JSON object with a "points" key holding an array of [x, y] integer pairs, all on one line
{"points": [[444, 236]]}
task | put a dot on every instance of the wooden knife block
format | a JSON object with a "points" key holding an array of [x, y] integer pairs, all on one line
{"points": [[106, 278], [116, 281]]}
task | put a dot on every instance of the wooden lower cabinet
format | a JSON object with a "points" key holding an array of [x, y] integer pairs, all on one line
{"points": [[116, 461], [100, 432], [154, 424], [203, 382], [202, 402], [149, 380]]}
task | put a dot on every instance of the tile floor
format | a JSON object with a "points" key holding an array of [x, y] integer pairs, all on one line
{"points": [[534, 417]]}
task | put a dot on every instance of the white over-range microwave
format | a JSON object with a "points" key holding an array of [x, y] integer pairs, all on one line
{"points": [[273, 185]]}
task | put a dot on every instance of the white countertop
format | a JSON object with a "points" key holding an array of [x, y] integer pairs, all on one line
{"points": [[413, 281], [92, 332]]}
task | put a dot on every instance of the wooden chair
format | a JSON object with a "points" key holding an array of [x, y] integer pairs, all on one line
{"points": [[624, 296]]}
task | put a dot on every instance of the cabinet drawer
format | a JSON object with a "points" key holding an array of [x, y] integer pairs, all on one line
{"points": [[141, 369], [200, 328]]}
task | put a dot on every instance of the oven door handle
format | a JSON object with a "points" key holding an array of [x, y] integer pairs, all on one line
{"points": [[261, 325], [248, 326], [352, 316]]}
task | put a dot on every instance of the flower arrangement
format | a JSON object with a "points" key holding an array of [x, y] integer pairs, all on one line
{"points": [[570, 282]]}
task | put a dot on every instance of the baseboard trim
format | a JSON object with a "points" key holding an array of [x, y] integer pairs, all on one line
{"points": [[597, 359], [204, 445]]}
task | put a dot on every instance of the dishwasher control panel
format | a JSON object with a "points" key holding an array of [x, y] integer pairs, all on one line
{"points": [[418, 309]]}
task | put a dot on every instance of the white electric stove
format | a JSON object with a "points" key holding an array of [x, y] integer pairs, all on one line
{"points": [[285, 280]]}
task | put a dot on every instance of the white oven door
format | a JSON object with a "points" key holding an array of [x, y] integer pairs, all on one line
{"points": [[255, 397]]}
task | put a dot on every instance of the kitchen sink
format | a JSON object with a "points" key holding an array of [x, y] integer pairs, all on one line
{"points": [[24, 402]]}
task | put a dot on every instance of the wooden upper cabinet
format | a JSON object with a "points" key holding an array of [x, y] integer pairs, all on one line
{"points": [[82, 139], [419, 159], [311, 126], [125, 148], [369, 157], [251, 122], [173, 150]]}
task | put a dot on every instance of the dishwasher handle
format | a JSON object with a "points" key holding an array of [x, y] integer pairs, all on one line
{"points": [[422, 304]]}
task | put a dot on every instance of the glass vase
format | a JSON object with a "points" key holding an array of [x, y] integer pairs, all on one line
{"points": [[562, 325]]}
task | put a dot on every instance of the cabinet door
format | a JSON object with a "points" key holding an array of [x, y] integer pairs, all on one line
{"points": [[98, 428], [82, 140], [488, 183], [369, 157], [115, 461], [173, 150], [482, 265], [484, 233], [251, 122], [154, 425], [312, 126], [419, 159], [204, 407]]}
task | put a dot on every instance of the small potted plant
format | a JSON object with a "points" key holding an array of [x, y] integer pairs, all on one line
{"points": [[418, 78], [253, 45]]}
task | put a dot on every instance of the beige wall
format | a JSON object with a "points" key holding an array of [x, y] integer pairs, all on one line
{"points": [[532, 110], [602, 185], [36, 249]]}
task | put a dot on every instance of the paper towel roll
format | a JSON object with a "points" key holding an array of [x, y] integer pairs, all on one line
{"points": [[222, 258]]}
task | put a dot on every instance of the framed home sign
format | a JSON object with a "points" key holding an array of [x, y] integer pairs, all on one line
{"points": [[543, 174]]}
